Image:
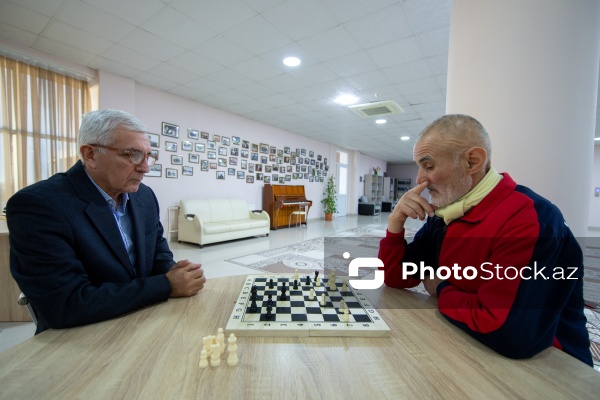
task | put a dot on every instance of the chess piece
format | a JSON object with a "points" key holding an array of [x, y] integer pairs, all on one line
{"points": [[221, 340], [215, 355], [311, 294], [345, 285], [295, 284], [269, 315], [318, 281], [206, 340], [283, 290], [343, 305], [296, 274], [307, 280], [270, 283], [346, 316], [203, 359], [232, 357], [323, 302]]}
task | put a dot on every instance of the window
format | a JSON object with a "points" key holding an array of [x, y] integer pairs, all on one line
{"points": [[40, 116]]}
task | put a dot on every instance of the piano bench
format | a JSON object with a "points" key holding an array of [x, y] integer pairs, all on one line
{"points": [[298, 215]]}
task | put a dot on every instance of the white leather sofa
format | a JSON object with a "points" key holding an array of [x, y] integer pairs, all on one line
{"points": [[205, 221]]}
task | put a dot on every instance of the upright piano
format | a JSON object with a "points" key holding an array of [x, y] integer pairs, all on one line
{"points": [[279, 201]]}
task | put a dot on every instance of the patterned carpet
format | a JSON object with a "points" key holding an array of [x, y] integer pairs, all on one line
{"points": [[326, 254]]}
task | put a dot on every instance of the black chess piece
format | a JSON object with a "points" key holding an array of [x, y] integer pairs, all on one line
{"points": [[270, 283], [283, 290], [253, 306], [316, 275], [307, 280], [269, 314], [295, 284], [270, 300]]}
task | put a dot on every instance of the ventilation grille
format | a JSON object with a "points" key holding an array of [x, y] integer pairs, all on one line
{"points": [[376, 109]]}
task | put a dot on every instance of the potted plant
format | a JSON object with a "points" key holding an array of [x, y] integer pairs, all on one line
{"points": [[330, 199]]}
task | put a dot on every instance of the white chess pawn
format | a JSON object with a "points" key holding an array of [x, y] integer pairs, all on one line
{"points": [[311, 294], [232, 358], [206, 340], [215, 355], [203, 359], [318, 281], [346, 316], [343, 305], [221, 340], [345, 285], [323, 302]]}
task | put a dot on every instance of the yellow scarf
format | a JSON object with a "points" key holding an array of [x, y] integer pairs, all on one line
{"points": [[457, 209]]}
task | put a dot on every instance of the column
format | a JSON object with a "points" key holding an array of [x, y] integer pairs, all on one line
{"points": [[528, 70]]}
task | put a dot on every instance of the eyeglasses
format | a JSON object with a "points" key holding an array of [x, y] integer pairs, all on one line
{"points": [[135, 156]]}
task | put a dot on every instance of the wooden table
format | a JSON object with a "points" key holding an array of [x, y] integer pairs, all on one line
{"points": [[154, 354], [10, 311]]}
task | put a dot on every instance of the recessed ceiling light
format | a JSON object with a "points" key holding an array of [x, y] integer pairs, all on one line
{"points": [[346, 99], [598, 138], [292, 61], [380, 121], [404, 137]]}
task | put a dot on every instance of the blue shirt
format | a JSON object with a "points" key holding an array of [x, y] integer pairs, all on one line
{"points": [[122, 218]]}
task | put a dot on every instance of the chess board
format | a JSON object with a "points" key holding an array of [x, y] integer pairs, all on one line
{"points": [[300, 316]]}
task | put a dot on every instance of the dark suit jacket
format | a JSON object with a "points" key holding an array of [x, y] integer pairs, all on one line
{"points": [[67, 255]]}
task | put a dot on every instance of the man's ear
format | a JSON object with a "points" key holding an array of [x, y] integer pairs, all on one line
{"points": [[88, 155], [476, 157]]}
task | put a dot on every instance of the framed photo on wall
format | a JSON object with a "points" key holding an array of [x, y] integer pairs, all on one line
{"points": [[193, 134], [204, 135], [220, 174], [200, 147], [176, 160], [171, 173], [194, 158], [155, 171], [188, 171], [154, 139], [170, 130], [204, 165], [170, 146]]}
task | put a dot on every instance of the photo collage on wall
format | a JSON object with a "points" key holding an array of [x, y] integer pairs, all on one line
{"points": [[233, 157]]}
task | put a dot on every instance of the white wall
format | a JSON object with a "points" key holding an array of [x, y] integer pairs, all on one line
{"points": [[154, 107]]}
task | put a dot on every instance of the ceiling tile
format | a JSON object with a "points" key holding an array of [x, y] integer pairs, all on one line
{"points": [[46, 7], [217, 15], [257, 35], [262, 5], [228, 78], [398, 52], [77, 38], [94, 20], [291, 16], [256, 69], [384, 26], [17, 35], [223, 51], [173, 73], [151, 45], [330, 44], [352, 64], [194, 63], [135, 12], [63, 51], [15, 15], [178, 28], [129, 57], [348, 10]]}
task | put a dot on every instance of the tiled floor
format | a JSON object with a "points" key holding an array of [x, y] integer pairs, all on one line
{"points": [[213, 261]]}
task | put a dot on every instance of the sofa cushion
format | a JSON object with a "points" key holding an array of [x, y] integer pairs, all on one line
{"points": [[229, 226]]}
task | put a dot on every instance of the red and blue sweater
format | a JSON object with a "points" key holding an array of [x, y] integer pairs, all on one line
{"points": [[528, 292]]}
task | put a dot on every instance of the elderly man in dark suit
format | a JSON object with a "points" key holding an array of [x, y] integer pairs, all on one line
{"points": [[87, 245]]}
